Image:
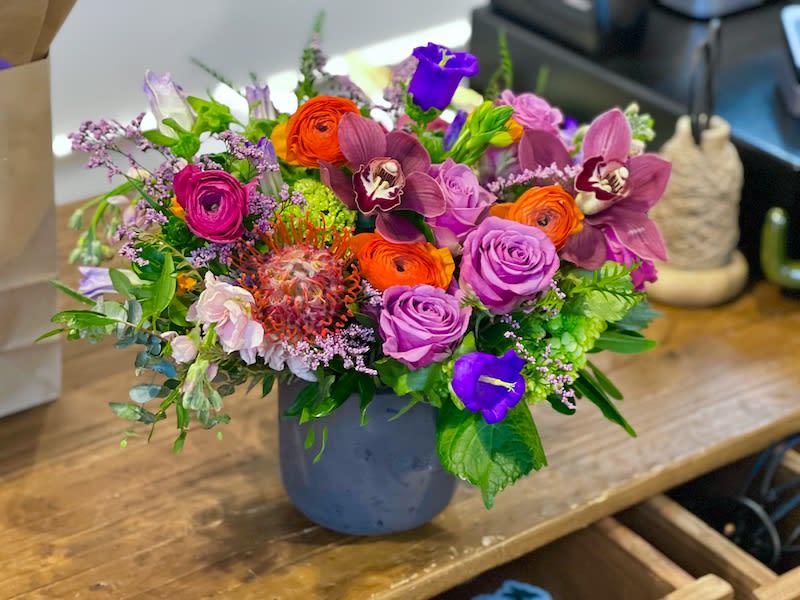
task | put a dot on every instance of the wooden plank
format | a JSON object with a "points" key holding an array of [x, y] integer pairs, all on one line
{"points": [[82, 517], [708, 587], [695, 546], [787, 587]]}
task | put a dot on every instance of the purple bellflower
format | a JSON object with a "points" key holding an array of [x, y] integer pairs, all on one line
{"points": [[489, 384], [438, 74], [167, 101], [389, 174], [4, 64], [259, 101]]}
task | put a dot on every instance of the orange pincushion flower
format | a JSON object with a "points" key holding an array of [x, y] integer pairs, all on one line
{"points": [[549, 208], [384, 263], [312, 131]]}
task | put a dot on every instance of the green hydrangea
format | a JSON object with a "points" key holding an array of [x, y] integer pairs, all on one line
{"points": [[323, 205], [572, 336]]}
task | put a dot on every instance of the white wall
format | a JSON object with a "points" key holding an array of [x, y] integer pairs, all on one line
{"points": [[100, 55]]}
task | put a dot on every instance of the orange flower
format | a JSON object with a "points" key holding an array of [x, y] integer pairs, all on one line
{"points": [[385, 263], [186, 283], [176, 209], [549, 208], [514, 129], [278, 139], [312, 131]]}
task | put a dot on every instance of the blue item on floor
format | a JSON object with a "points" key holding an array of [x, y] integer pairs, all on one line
{"points": [[516, 590]]}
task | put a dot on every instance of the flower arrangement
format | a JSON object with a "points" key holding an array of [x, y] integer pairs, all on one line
{"points": [[471, 258]]}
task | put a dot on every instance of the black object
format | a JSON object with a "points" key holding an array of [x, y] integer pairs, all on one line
{"points": [[702, 89], [594, 26], [707, 9], [658, 76]]}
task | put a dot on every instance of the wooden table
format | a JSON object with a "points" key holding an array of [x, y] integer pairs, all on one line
{"points": [[82, 517]]}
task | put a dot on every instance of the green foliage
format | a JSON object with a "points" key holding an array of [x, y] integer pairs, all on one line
{"points": [[503, 76], [485, 127], [212, 116], [593, 390], [324, 208], [605, 294], [312, 63], [425, 384], [624, 342], [641, 124], [489, 456], [638, 317]]}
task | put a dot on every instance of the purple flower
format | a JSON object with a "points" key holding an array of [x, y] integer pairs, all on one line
{"points": [[506, 263], [466, 203], [645, 272], [488, 384], [167, 100], [454, 129], [215, 203], [390, 173], [95, 282], [259, 101], [421, 325], [532, 112], [4, 64], [438, 74]]}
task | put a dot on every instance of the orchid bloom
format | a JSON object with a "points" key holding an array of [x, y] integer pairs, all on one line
{"points": [[614, 190], [389, 174]]}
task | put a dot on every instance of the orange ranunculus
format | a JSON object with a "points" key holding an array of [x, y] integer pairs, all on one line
{"points": [[278, 139], [312, 131], [549, 208], [384, 263]]}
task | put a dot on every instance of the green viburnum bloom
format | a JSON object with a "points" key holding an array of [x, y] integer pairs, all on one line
{"points": [[323, 206]]}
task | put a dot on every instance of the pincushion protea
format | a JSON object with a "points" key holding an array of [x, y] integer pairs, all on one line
{"points": [[303, 283]]}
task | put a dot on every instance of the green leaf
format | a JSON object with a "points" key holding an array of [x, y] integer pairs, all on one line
{"points": [[491, 456], [638, 317], [163, 289], [559, 406], [624, 342], [121, 283], [155, 136], [75, 294], [604, 382], [266, 384], [309, 441], [144, 392], [591, 390], [322, 444], [182, 415], [130, 412], [366, 391], [403, 380], [179, 442], [81, 319], [50, 333]]}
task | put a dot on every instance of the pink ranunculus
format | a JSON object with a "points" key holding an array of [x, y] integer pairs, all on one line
{"points": [[214, 201], [466, 202], [506, 263], [422, 324], [532, 112], [230, 308]]}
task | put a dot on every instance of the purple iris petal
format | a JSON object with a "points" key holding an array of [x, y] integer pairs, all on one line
{"points": [[454, 129], [489, 384], [438, 74]]}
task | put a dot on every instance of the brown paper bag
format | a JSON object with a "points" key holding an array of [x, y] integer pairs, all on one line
{"points": [[26, 156], [20, 26], [57, 11]]}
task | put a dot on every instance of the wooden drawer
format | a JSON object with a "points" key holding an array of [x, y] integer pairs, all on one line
{"points": [[604, 561], [699, 549]]}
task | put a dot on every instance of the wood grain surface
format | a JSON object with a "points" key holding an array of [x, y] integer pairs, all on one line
{"points": [[81, 517]]}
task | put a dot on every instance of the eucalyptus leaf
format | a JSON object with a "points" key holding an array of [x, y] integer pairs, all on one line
{"points": [[144, 392]]}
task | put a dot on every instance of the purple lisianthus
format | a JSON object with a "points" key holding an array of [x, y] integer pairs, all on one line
{"points": [[532, 112], [167, 100], [438, 74], [95, 281], [421, 325], [215, 203], [506, 263], [259, 101], [466, 203], [489, 384], [389, 174]]}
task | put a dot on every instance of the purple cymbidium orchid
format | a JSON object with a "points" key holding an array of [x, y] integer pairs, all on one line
{"points": [[489, 384], [613, 189], [389, 174], [438, 74]]}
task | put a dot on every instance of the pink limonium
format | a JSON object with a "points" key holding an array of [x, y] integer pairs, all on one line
{"points": [[167, 101], [389, 175], [467, 203], [614, 189], [230, 309]]}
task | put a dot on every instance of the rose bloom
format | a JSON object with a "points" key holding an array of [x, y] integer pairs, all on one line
{"points": [[385, 264], [506, 263], [214, 202], [532, 112], [311, 134], [549, 208], [230, 308], [466, 202], [421, 325]]}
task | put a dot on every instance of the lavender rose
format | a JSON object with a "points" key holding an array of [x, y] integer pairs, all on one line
{"points": [[422, 324], [506, 263], [215, 203], [533, 112], [466, 202]]}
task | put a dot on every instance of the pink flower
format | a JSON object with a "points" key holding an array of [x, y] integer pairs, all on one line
{"points": [[230, 308], [466, 202], [183, 349], [532, 112], [215, 203]]}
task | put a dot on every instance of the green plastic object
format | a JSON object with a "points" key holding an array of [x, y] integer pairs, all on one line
{"points": [[777, 266]]}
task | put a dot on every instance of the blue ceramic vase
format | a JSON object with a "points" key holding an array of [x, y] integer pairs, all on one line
{"points": [[383, 477]]}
